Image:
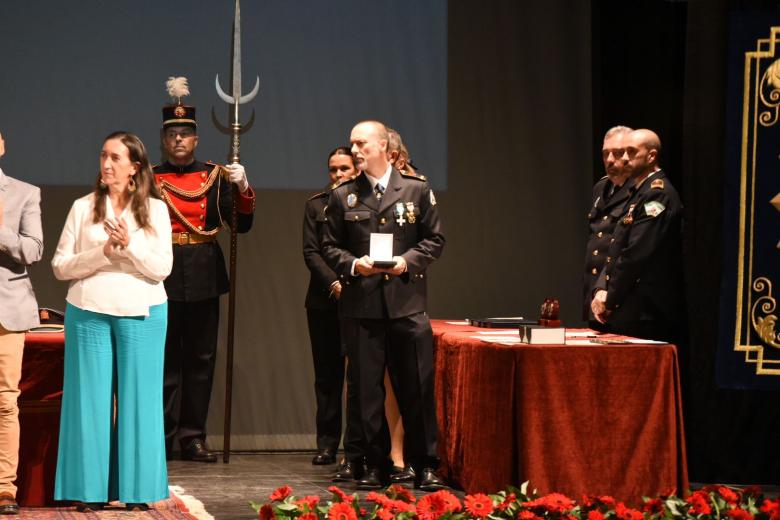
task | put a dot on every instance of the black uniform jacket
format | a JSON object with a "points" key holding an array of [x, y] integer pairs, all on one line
{"points": [[199, 269], [602, 217], [322, 276], [353, 213], [644, 279]]}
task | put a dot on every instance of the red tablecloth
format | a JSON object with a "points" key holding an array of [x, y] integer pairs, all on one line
{"points": [[39, 417], [595, 419]]}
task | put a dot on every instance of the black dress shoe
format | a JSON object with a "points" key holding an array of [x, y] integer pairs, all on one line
{"points": [[405, 474], [8, 505], [324, 457], [345, 472], [89, 507], [371, 479], [430, 481], [196, 451]]}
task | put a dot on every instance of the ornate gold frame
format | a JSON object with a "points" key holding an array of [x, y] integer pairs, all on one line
{"points": [[756, 315]]}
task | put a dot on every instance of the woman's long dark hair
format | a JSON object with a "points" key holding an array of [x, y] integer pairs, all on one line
{"points": [[145, 186]]}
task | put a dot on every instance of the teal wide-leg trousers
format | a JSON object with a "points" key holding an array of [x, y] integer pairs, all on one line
{"points": [[105, 456]]}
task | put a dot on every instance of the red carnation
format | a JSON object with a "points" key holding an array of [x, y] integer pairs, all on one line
{"points": [[343, 497], [595, 515], [607, 500], [527, 515], [700, 504], [771, 508], [280, 494], [431, 507], [342, 511], [308, 516], [739, 514], [728, 495], [266, 513], [478, 505], [626, 513]]}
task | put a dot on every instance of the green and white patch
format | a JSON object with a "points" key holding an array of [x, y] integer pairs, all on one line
{"points": [[654, 208]]}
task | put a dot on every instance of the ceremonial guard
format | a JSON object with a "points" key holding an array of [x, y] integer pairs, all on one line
{"points": [[609, 195], [199, 198], [383, 309], [639, 293]]}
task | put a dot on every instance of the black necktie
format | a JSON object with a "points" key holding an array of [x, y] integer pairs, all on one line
{"points": [[378, 191]]}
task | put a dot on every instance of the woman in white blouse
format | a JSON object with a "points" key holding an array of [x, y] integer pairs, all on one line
{"points": [[115, 250]]}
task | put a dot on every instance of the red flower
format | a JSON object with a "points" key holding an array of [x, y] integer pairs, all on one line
{"points": [[626, 513], [607, 501], [595, 515], [752, 491], [342, 511], [378, 498], [653, 506], [343, 497], [308, 516], [310, 501], [384, 514], [266, 513], [739, 514], [280, 494], [728, 495], [508, 501], [431, 507], [451, 502], [399, 506], [527, 515], [478, 505], [771, 508], [554, 503], [400, 492], [700, 504]]}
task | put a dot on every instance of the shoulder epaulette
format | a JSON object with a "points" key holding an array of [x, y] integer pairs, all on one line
{"points": [[345, 180], [318, 195], [413, 175]]}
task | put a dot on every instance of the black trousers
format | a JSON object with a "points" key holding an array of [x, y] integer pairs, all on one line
{"points": [[328, 375], [190, 353], [405, 347]]}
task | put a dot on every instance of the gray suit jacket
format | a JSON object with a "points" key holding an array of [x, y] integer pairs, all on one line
{"points": [[21, 244]]}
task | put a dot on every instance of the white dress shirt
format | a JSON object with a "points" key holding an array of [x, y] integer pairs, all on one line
{"points": [[129, 281]]}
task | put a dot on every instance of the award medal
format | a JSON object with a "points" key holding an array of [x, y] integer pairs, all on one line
{"points": [[629, 218], [351, 200], [410, 212], [399, 211]]}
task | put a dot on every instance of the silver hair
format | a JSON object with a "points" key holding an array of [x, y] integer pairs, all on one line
{"points": [[617, 130]]}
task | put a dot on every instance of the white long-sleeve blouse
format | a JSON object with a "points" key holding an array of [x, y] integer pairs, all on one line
{"points": [[126, 283]]}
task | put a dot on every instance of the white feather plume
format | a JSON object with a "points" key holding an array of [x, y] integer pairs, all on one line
{"points": [[177, 87]]}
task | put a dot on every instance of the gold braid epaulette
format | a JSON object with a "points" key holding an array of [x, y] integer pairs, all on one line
{"points": [[166, 186]]}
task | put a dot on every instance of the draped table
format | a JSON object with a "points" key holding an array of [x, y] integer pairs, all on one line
{"points": [[574, 419], [39, 417]]}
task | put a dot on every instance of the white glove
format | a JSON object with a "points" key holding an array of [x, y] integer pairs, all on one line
{"points": [[237, 175]]}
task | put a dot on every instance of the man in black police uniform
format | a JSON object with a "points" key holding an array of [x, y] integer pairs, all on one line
{"points": [[639, 293], [609, 195], [383, 310], [199, 198]]}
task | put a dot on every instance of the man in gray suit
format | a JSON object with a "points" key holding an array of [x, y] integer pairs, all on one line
{"points": [[21, 244]]}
